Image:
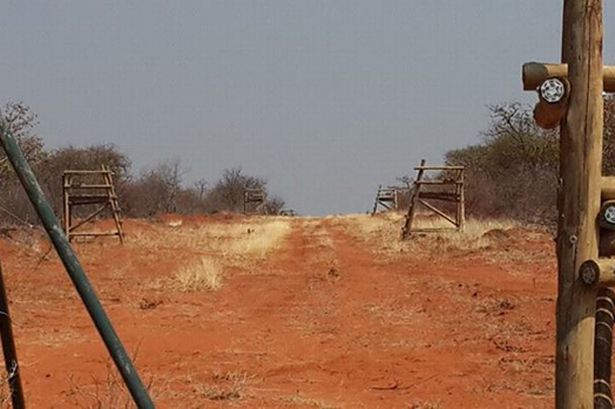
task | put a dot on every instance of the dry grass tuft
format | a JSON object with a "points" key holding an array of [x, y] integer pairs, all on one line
{"points": [[5, 392], [109, 392], [494, 306], [229, 386], [254, 240], [205, 274]]}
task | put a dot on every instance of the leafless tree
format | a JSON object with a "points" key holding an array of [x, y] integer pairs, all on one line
{"points": [[20, 120]]}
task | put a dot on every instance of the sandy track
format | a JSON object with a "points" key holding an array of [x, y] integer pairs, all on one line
{"points": [[325, 321]]}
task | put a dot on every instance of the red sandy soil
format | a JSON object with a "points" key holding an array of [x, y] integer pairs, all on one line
{"points": [[317, 325]]}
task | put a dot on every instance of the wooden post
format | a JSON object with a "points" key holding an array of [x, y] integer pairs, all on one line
{"points": [[405, 231], [579, 202], [534, 73], [376, 201], [66, 208], [461, 206], [396, 200]]}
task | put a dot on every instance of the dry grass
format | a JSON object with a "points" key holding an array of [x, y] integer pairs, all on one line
{"points": [[383, 232], [250, 239], [228, 386], [108, 392], [57, 337], [253, 238], [299, 399], [5, 393], [478, 233], [205, 274], [213, 247]]}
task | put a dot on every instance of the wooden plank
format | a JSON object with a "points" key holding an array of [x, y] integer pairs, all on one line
{"points": [[79, 201], [438, 212], [86, 186], [439, 167], [607, 187], [440, 182], [434, 229], [86, 172], [443, 196], [385, 205], [579, 202], [87, 197], [88, 218], [535, 73]]}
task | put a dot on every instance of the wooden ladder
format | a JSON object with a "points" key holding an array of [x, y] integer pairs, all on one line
{"points": [[113, 202]]}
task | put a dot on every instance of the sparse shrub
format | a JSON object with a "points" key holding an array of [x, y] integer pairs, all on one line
{"points": [[108, 392], [157, 190], [514, 171], [229, 386]]}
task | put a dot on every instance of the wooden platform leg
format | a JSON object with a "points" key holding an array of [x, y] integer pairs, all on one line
{"points": [[405, 232]]}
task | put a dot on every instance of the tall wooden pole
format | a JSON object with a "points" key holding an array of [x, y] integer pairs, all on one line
{"points": [[579, 201]]}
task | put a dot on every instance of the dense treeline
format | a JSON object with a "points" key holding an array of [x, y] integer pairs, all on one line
{"points": [[159, 189], [513, 172]]}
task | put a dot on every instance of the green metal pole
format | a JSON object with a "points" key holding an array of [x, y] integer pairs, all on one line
{"points": [[9, 351], [75, 270]]}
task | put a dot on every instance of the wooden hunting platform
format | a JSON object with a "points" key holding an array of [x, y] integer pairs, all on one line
{"points": [[90, 188], [254, 201], [387, 198], [446, 187]]}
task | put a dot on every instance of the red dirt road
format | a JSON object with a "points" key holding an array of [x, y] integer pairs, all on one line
{"points": [[327, 320]]}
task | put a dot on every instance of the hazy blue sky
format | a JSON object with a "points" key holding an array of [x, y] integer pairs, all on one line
{"points": [[325, 99]]}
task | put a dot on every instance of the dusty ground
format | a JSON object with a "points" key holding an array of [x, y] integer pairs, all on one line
{"points": [[293, 313]]}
